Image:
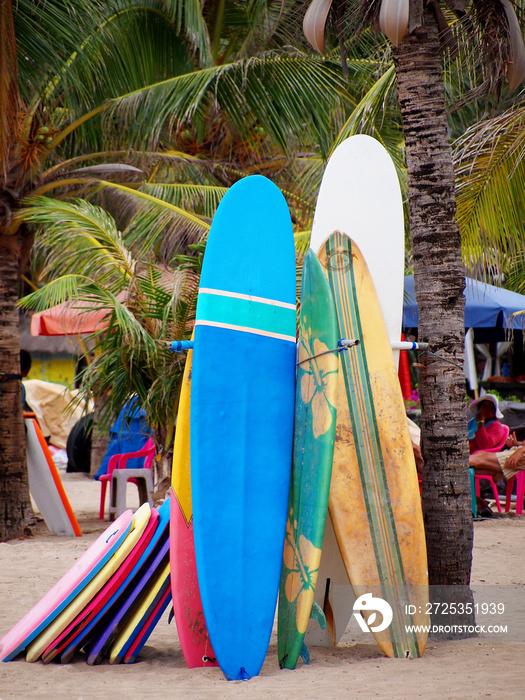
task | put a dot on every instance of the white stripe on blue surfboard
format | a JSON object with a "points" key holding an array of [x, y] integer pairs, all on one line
{"points": [[243, 329], [247, 297]]}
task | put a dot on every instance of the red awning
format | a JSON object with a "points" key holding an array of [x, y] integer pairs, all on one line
{"points": [[71, 318]]}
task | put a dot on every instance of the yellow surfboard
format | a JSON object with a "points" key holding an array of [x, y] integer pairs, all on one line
{"points": [[187, 605], [59, 624], [375, 504], [181, 471]]}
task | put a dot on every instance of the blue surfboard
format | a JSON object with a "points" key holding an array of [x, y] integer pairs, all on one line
{"points": [[242, 407]]}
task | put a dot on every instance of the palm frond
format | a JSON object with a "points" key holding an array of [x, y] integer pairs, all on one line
{"points": [[57, 291], [72, 230], [188, 196], [155, 202], [39, 33], [287, 93], [302, 242], [377, 115], [90, 266], [188, 17], [490, 171], [310, 169], [166, 233]]}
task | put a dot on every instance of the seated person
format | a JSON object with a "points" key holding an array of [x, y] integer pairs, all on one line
{"points": [[506, 463], [418, 456], [415, 436], [485, 430]]}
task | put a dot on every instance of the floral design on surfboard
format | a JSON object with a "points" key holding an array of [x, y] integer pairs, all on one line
{"points": [[313, 377], [300, 581]]}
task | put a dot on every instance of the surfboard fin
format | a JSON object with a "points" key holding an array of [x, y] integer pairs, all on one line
{"points": [[328, 611], [318, 615], [305, 654]]}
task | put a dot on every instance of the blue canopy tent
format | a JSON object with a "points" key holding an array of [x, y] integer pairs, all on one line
{"points": [[486, 306], [489, 312]]}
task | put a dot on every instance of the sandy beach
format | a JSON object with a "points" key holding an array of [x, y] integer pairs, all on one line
{"points": [[472, 668]]}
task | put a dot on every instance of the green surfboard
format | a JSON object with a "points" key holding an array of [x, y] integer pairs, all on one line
{"points": [[314, 434]]}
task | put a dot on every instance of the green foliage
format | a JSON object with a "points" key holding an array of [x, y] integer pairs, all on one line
{"points": [[137, 132], [147, 306], [490, 173]]}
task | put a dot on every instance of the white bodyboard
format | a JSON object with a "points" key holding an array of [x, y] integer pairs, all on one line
{"points": [[43, 488]]}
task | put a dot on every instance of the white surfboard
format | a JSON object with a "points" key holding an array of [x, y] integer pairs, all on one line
{"points": [[46, 486], [360, 196]]}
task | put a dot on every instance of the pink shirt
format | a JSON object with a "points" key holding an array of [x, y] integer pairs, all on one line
{"points": [[488, 436]]}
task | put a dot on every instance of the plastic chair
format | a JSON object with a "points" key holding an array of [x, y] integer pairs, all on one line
{"points": [[141, 477], [488, 477], [520, 492], [493, 485]]}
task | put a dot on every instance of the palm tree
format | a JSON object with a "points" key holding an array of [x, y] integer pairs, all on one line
{"points": [[417, 31], [22, 142], [151, 89]]}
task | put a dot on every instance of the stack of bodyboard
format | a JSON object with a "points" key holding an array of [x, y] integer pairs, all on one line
{"points": [[110, 600]]}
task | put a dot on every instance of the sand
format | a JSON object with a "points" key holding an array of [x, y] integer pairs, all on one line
{"points": [[472, 668]]}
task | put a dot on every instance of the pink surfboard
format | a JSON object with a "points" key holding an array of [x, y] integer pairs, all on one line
{"points": [[74, 629], [187, 605], [63, 592]]}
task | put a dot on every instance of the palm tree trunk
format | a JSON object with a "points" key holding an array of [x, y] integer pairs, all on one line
{"points": [[99, 439], [162, 465], [16, 507], [439, 284]]}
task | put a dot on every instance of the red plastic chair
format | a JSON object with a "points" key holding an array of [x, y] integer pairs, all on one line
{"points": [[119, 461], [520, 492], [488, 477]]}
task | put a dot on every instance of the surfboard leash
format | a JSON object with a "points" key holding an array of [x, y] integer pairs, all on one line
{"points": [[342, 345], [426, 351]]}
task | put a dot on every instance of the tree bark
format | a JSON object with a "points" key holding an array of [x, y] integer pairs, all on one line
{"points": [[439, 284], [99, 439], [15, 504], [162, 466]]}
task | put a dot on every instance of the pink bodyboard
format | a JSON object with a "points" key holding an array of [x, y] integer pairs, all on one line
{"points": [[61, 594], [187, 605], [104, 595]]}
